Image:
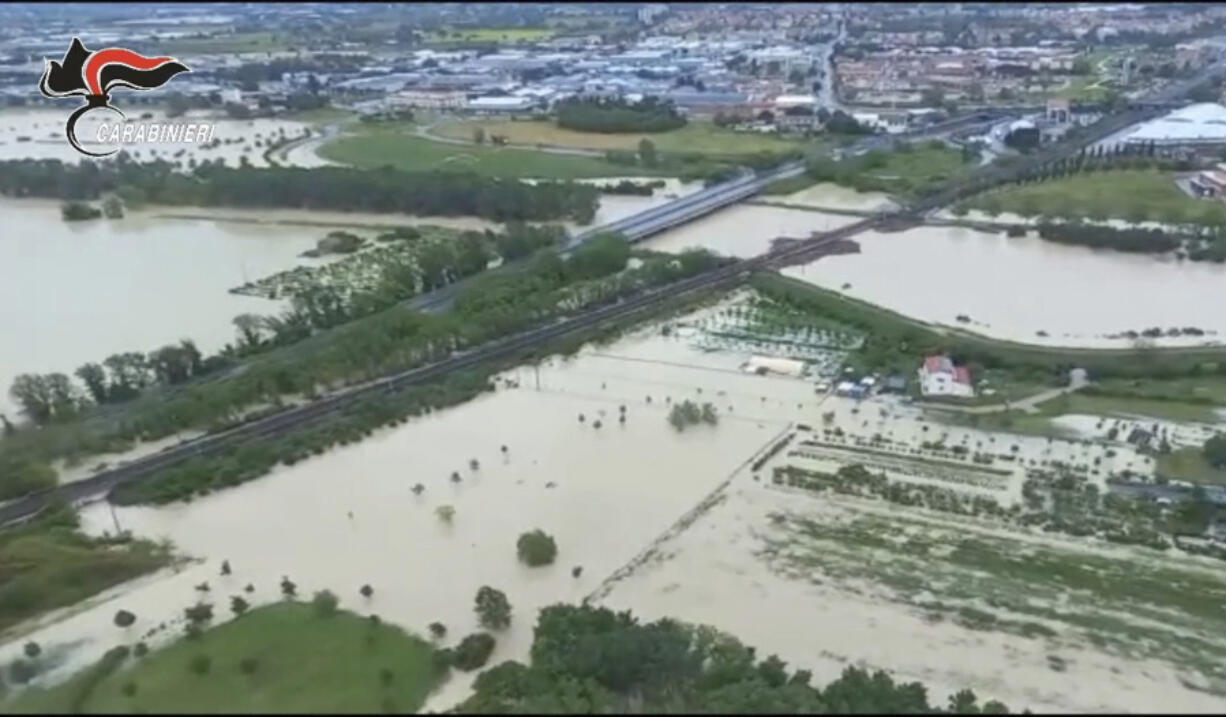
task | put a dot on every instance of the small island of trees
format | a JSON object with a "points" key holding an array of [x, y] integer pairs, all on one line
{"points": [[536, 548], [688, 413]]}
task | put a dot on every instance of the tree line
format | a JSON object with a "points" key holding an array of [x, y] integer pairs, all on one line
{"points": [[895, 345], [591, 660], [329, 188], [1142, 241], [387, 341], [496, 306], [615, 114], [123, 376]]}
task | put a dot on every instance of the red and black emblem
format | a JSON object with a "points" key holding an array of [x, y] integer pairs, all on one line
{"points": [[92, 74]]}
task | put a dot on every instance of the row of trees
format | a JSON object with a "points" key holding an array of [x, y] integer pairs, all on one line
{"points": [[615, 114], [1144, 241], [389, 341], [332, 188], [120, 377], [124, 376], [594, 661]]}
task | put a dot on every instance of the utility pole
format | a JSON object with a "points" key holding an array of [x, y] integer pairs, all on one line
{"points": [[115, 518]]}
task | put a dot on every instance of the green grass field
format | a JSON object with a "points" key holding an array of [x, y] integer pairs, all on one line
{"points": [[1126, 406], [375, 147], [491, 34], [322, 116], [1134, 195], [901, 172], [696, 136], [1189, 464], [305, 664], [47, 564], [929, 162]]}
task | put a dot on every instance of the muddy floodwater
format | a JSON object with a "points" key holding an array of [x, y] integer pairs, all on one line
{"points": [[1015, 288], [38, 133], [603, 493], [832, 196], [72, 292], [746, 230], [666, 523]]}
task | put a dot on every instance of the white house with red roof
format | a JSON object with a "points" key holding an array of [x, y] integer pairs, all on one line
{"points": [[940, 377]]}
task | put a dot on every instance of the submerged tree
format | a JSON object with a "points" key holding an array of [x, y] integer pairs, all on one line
{"points": [[492, 608], [536, 548]]}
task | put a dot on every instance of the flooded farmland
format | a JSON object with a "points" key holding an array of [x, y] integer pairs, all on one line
{"points": [[167, 271], [832, 196], [72, 292], [38, 133], [1092, 296], [746, 230], [612, 496]]}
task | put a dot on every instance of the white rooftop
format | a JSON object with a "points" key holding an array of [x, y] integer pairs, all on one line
{"points": [[1203, 122]]}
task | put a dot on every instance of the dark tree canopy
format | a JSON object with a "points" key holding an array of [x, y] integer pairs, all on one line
{"points": [[610, 115], [592, 660], [536, 548]]}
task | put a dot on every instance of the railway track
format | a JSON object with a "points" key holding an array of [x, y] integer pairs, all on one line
{"points": [[299, 416], [637, 227]]}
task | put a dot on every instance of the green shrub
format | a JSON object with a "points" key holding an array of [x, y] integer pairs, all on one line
{"points": [[473, 651], [536, 548], [200, 664], [324, 603]]}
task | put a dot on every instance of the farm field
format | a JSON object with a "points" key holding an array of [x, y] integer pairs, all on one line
{"points": [[376, 147], [696, 136], [1136, 195]]}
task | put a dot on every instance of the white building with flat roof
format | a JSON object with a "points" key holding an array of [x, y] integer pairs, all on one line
{"points": [[1199, 124], [492, 105]]}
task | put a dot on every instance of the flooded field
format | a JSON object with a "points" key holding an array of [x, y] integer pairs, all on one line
{"points": [[746, 230], [43, 133], [564, 476], [997, 282], [866, 583], [72, 292], [167, 271], [665, 522], [832, 196]]}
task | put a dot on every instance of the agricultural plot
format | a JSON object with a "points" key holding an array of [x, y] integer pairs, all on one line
{"points": [[360, 272], [762, 326]]}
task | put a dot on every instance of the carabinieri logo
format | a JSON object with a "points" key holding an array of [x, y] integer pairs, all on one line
{"points": [[92, 74]]}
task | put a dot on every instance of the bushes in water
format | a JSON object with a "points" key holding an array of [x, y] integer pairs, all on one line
{"points": [[473, 651], [1142, 241], [536, 548]]}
